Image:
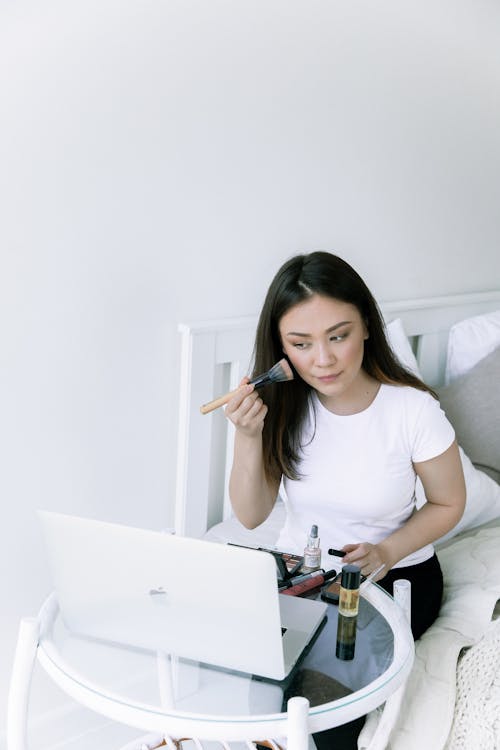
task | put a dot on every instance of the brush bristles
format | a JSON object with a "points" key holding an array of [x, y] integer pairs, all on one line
{"points": [[280, 372]]}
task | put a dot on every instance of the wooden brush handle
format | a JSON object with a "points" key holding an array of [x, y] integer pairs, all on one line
{"points": [[212, 405]]}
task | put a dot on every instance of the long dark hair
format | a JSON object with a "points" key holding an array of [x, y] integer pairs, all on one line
{"points": [[298, 279]]}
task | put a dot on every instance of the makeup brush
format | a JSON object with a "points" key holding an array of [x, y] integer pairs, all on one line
{"points": [[280, 372]]}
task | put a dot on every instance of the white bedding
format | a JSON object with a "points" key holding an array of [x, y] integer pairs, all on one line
{"points": [[471, 569]]}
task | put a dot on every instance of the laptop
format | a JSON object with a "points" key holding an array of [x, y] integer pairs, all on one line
{"points": [[199, 600]]}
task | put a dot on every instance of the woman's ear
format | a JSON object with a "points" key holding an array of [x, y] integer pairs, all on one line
{"points": [[367, 330]]}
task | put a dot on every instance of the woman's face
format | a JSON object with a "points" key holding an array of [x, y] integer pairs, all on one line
{"points": [[324, 339]]}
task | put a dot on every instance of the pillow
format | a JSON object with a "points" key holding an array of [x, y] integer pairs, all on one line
{"points": [[469, 341], [483, 499], [472, 404], [479, 424], [400, 345]]}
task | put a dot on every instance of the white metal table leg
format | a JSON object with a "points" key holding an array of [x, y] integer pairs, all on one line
{"points": [[22, 670], [298, 733], [165, 668], [386, 720]]}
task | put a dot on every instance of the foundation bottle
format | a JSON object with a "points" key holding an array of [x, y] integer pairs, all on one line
{"points": [[348, 612]]}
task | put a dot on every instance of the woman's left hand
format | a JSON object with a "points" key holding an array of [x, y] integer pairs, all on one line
{"points": [[368, 557]]}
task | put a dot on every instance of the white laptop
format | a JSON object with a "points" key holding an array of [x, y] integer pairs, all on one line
{"points": [[204, 601]]}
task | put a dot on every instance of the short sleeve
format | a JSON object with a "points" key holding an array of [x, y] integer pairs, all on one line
{"points": [[432, 432]]}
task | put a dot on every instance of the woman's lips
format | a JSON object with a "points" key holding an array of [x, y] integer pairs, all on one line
{"points": [[329, 378]]}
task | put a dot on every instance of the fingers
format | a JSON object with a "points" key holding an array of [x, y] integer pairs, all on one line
{"points": [[350, 547], [244, 397], [366, 556], [356, 553], [246, 410]]}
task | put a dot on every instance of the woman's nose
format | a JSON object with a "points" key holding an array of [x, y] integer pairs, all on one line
{"points": [[324, 355]]}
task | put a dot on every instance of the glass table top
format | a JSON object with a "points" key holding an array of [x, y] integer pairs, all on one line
{"points": [[160, 683]]}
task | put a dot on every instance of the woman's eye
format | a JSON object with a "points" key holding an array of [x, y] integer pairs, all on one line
{"points": [[299, 345], [339, 337]]}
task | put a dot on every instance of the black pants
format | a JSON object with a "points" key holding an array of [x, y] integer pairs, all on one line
{"points": [[426, 593]]}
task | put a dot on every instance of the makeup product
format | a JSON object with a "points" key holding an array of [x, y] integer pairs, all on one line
{"points": [[328, 575], [288, 563], [282, 571], [402, 595], [331, 592], [348, 612], [299, 580], [337, 552], [280, 372], [293, 562], [312, 551], [294, 580], [313, 581]]}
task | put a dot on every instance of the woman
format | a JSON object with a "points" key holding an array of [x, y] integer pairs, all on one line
{"points": [[347, 437]]}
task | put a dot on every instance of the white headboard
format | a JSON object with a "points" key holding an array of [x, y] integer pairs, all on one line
{"points": [[216, 354]]}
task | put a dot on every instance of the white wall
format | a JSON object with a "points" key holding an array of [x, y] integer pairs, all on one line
{"points": [[159, 160]]}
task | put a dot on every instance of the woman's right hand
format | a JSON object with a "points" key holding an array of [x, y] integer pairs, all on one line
{"points": [[246, 410]]}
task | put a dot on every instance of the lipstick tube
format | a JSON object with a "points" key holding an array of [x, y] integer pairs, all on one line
{"points": [[298, 579], [313, 581]]}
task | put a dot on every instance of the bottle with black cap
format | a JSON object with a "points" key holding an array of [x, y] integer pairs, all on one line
{"points": [[348, 612]]}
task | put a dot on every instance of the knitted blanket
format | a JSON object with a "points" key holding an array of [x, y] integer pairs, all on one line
{"points": [[444, 692], [476, 723]]}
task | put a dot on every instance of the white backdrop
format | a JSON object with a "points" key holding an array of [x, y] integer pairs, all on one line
{"points": [[159, 160]]}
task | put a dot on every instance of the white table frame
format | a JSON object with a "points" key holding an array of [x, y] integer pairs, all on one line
{"points": [[35, 643]]}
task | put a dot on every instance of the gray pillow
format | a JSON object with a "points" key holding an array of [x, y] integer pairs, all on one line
{"points": [[472, 404]]}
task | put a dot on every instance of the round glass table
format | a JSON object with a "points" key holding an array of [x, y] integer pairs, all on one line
{"points": [[158, 692]]}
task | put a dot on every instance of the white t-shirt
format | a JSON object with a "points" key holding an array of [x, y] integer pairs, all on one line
{"points": [[357, 478]]}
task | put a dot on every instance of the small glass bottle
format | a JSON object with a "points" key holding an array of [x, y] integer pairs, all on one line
{"points": [[312, 551], [348, 612]]}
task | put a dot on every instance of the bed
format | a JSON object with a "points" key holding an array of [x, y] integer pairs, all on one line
{"points": [[452, 697]]}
